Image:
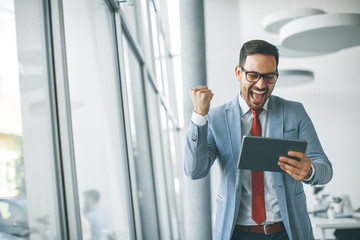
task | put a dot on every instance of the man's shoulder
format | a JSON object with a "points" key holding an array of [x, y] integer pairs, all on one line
{"points": [[283, 102]]}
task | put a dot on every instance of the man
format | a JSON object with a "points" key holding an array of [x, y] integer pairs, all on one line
{"points": [[95, 215], [255, 204]]}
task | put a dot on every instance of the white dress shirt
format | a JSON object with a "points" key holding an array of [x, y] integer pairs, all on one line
{"points": [[272, 209]]}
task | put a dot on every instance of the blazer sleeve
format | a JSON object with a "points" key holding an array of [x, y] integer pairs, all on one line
{"points": [[200, 151], [322, 165]]}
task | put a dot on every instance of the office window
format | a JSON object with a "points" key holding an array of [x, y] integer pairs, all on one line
{"points": [[177, 166], [99, 141], [156, 48], [145, 187], [130, 9], [163, 62], [117, 147], [175, 86], [170, 179], [159, 163], [150, 142], [29, 196]]}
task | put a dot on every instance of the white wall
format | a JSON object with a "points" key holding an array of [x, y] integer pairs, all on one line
{"points": [[332, 99]]}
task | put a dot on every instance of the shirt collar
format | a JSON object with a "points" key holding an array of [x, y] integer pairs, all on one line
{"points": [[245, 108]]}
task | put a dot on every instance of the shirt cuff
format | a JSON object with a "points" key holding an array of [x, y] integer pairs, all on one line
{"points": [[312, 173], [198, 119]]}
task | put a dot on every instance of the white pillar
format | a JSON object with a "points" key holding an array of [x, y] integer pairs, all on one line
{"points": [[197, 199]]}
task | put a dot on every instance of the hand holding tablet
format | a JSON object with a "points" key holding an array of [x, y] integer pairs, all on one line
{"points": [[260, 153]]}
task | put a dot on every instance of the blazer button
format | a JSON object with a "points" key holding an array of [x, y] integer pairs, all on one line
{"points": [[194, 137]]}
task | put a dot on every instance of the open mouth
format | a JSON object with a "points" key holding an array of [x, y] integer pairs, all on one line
{"points": [[258, 95]]}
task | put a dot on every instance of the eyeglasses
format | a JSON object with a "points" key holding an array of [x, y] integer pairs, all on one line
{"points": [[269, 78]]}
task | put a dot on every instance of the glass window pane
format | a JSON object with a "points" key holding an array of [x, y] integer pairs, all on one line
{"points": [[29, 206], [159, 162], [157, 58], [170, 180], [130, 9], [177, 166], [140, 144], [164, 67], [96, 120]]}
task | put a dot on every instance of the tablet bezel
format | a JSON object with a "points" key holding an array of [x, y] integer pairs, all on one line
{"points": [[262, 153]]}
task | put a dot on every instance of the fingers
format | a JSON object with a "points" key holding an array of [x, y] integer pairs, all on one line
{"points": [[297, 169], [292, 171], [201, 92], [201, 97], [199, 89], [291, 161], [299, 155], [297, 173]]}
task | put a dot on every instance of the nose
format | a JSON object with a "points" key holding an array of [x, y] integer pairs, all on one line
{"points": [[261, 83]]}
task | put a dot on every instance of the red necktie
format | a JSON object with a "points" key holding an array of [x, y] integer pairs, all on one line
{"points": [[257, 180]]}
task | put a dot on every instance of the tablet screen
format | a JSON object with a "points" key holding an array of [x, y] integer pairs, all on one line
{"points": [[261, 153]]}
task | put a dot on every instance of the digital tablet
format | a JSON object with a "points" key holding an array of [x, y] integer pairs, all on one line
{"points": [[261, 153]]}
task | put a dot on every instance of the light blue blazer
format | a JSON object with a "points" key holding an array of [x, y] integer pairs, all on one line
{"points": [[221, 139]]}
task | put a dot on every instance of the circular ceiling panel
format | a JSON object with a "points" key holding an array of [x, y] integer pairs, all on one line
{"points": [[286, 52], [322, 33], [274, 21]]}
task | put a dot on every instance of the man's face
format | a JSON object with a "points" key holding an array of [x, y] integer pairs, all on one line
{"points": [[255, 94]]}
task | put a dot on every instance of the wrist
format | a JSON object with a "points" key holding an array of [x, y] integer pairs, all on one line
{"points": [[309, 173], [198, 119], [202, 113]]}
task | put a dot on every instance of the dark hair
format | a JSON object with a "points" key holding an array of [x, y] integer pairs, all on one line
{"points": [[92, 194], [260, 47]]}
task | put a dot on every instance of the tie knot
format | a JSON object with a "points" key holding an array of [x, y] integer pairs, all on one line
{"points": [[256, 112]]}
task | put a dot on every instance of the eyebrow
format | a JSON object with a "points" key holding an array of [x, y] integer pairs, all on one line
{"points": [[261, 73], [258, 72]]}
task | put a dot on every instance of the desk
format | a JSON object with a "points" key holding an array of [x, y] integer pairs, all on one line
{"points": [[337, 223]]}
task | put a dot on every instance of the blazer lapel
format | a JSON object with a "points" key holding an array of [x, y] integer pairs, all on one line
{"points": [[233, 124], [276, 126], [275, 118]]}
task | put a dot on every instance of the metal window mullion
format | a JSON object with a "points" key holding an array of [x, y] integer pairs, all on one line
{"points": [[132, 212], [67, 151], [152, 37], [144, 78], [59, 181], [169, 110], [165, 165], [114, 5], [126, 119], [131, 37], [152, 82], [135, 45]]}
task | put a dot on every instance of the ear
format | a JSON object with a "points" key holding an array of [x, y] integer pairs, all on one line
{"points": [[238, 72]]}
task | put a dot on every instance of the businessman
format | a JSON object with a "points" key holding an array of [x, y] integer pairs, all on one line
{"points": [[255, 204]]}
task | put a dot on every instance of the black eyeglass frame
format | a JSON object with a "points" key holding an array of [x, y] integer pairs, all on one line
{"points": [[260, 76]]}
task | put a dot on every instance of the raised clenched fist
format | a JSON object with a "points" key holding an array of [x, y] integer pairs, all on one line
{"points": [[201, 97]]}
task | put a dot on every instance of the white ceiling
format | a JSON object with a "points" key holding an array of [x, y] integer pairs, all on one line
{"points": [[230, 23], [253, 11]]}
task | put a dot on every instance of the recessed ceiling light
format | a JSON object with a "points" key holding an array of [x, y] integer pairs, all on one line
{"points": [[294, 77]]}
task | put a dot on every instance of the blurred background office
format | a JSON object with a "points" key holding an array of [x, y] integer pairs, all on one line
{"points": [[92, 99]]}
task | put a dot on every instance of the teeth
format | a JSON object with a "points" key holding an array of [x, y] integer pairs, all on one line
{"points": [[258, 92]]}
